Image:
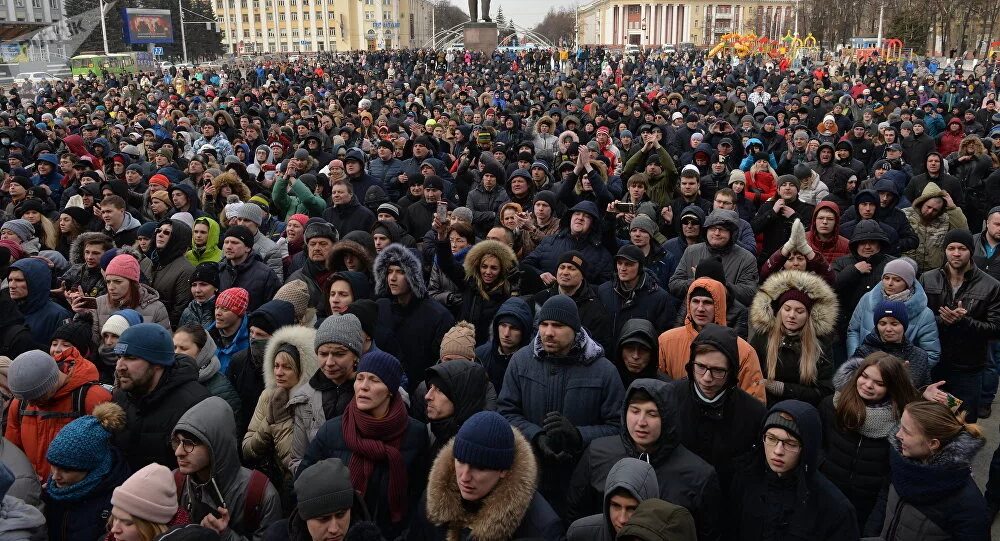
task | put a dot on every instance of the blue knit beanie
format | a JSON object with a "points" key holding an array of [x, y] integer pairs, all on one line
{"points": [[149, 342], [85, 445], [130, 315], [385, 366], [894, 309], [562, 309], [485, 441]]}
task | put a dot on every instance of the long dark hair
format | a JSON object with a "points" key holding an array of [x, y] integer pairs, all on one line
{"points": [[850, 407]]}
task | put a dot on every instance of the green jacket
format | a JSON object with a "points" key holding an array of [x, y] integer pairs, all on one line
{"points": [[661, 187], [211, 253], [301, 201]]}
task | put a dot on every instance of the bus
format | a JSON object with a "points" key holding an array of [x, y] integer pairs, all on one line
{"points": [[114, 63]]}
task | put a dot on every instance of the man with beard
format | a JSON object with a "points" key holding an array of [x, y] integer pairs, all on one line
{"points": [[932, 216], [155, 388], [320, 238], [934, 172], [776, 215]]}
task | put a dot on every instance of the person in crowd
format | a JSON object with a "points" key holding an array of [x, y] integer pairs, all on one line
{"points": [[932, 215], [824, 232], [797, 254], [858, 418], [29, 283], [634, 293], [776, 216], [859, 272], [213, 487], [637, 352], [250, 216], [650, 435], [125, 291], [24, 482], [242, 267], [85, 260], [230, 327], [193, 341], [85, 470], [739, 265], [172, 271], [582, 234], [899, 283], [510, 330], [931, 490], [320, 238], [791, 321], [385, 449], [155, 388], [891, 320], [204, 285], [690, 231], [205, 235], [119, 224], [657, 520], [630, 482], [145, 506], [21, 521], [571, 280], [779, 493]]}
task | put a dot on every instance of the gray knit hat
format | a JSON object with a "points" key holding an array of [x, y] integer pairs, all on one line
{"points": [[344, 329], [20, 227], [249, 212], [32, 375], [324, 488], [645, 223]]}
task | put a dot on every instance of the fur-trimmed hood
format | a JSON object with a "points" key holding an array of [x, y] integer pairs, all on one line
{"points": [[301, 338], [76, 249], [763, 314], [503, 253], [397, 254], [501, 511], [546, 120], [231, 179], [343, 247]]}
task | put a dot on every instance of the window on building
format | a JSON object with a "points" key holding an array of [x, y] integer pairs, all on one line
{"points": [[306, 16], [246, 33], [36, 4], [369, 2], [54, 4], [412, 26], [295, 33], [270, 33], [284, 47], [281, 17], [260, 34], [319, 32], [333, 32], [284, 33], [295, 16], [321, 46], [369, 15], [246, 18], [386, 16]]}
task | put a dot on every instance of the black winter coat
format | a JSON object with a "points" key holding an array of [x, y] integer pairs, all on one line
{"points": [[412, 333], [648, 301], [593, 316], [964, 344], [776, 228], [252, 275], [150, 419], [247, 376], [350, 217]]}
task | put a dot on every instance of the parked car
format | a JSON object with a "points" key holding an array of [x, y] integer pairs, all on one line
{"points": [[34, 77]]}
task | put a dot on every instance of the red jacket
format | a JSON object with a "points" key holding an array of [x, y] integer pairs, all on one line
{"points": [[835, 248]]}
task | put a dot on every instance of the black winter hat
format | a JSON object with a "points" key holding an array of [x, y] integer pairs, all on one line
{"points": [[206, 272], [78, 333]]}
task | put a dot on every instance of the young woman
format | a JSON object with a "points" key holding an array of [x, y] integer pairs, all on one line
{"points": [[889, 335], [193, 341], [458, 240], [32, 211], [124, 291], [73, 222], [932, 494], [385, 450], [145, 506], [858, 419], [791, 318], [86, 468]]}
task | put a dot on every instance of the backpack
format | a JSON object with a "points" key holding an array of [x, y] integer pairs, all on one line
{"points": [[253, 502], [79, 406]]}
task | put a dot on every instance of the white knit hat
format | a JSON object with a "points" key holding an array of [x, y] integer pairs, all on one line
{"points": [[115, 325]]}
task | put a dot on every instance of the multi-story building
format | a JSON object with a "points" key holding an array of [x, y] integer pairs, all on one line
{"points": [[287, 26], [663, 22], [33, 30]]}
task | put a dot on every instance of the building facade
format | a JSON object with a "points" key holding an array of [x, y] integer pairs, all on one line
{"points": [[663, 22], [291, 26]]}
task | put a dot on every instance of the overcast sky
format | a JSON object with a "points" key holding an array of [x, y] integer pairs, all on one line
{"points": [[526, 13]]}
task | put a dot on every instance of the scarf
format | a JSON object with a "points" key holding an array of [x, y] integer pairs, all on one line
{"points": [[880, 419], [902, 296], [373, 441]]}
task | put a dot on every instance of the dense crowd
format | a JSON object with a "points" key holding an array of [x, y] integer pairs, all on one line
{"points": [[435, 295]]}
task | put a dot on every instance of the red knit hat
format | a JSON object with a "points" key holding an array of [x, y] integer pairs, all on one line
{"points": [[795, 295], [160, 180], [301, 218], [234, 299], [125, 266]]}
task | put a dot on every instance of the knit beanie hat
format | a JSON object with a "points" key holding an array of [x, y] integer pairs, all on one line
{"points": [[85, 443], [562, 309], [125, 266], [343, 329], [486, 441], [904, 268], [385, 366], [147, 341], [150, 494], [961, 236], [206, 272], [324, 488], [32, 375], [162, 195], [789, 179], [241, 234], [645, 223], [20, 227], [574, 258], [77, 332], [777, 420], [146, 230], [737, 176], [295, 293], [895, 309], [116, 325], [301, 218], [249, 212], [234, 299], [459, 341], [794, 295]]}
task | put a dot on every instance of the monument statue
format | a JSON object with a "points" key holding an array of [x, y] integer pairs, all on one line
{"points": [[474, 13]]}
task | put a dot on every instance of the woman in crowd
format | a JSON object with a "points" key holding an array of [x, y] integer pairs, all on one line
{"points": [[73, 222], [791, 319], [858, 419], [889, 336], [193, 341], [124, 291], [145, 506], [458, 239], [32, 210], [293, 241], [86, 468], [932, 494]]}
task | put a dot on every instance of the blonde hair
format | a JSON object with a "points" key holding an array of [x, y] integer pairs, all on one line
{"points": [[808, 358], [147, 530], [937, 421]]}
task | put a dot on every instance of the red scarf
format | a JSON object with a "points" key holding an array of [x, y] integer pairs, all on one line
{"points": [[372, 441]]}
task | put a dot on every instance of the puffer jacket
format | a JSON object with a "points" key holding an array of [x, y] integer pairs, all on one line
{"points": [[964, 346], [478, 306], [852, 284], [34, 431], [271, 438], [922, 330], [150, 307], [647, 300], [42, 316], [211, 253]]}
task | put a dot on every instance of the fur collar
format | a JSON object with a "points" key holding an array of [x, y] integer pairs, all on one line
{"points": [[824, 312], [397, 254], [302, 339], [502, 510]]}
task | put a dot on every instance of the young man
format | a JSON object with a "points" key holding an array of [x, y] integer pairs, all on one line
{"points": [[119, 225], [230, 329], [481, 479], [739, 265], [85, 258], [204, 242], [204, 284], [244, 269], [29, 283], [346, 214], [154, 389], [250, 216], [511, 330], [630, 482], [453, 391], [649, 432], [571, 281], [214, 486], [932, 216], [634, 294]]}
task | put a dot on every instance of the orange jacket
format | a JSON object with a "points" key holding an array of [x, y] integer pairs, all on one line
{"points": [[34, 433], [675, 344]]}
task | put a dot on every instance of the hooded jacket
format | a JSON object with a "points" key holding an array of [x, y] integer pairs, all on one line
{"points": [[675, 344], [832, 249], [852, 284], [922, 330], [171, 276], [210, 253], [21, 522], [803, 504], [33, 432], [657, 520], [150, 307], [150, 418], [739, 265], [545, 257], [684, 478], [41, 315], [90, 280], [211, 422], [126, 234], [512, 510], [929, 253], [489, 354], [212, 378], [471, 391], [640, 329], [636, 478]]}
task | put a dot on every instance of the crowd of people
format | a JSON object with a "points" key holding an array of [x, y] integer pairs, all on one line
{"points": [[429, 295]]}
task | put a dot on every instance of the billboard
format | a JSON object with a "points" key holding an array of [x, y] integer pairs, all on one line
{"points": [[147, 26]]}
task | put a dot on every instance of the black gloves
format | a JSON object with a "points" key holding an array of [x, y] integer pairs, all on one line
{"points": [[560, 439]]}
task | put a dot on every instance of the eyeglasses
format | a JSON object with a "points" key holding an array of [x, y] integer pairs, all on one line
{"points": [[716, 373], [188, 445], [792, 446], [689, 222]]}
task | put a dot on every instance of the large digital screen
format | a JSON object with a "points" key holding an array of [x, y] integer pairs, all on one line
{"points": [[147, 26]]}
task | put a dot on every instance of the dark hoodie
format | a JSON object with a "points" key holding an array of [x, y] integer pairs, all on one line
{"points": [[514, 309], [802, 504], [685, 479], [835, 248], [41, 315], [15, 336], [172, 271], [657, 520], [639, 331], [545, 257], [211, 423], [467, 384], [632, 476], [194, 207], [852, 284]]}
